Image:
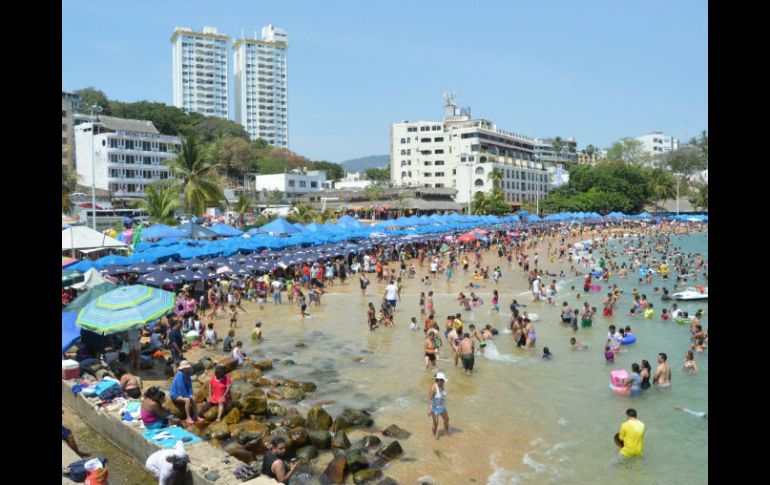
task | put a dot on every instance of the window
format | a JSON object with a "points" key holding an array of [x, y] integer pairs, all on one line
{"points": [[427, 174], [408, 151], [129, 173], [291, 183], [129, 144], [479, 170], [314, 185], [147, 160], [478, 183], [403, 152], [439, 162], [425, 140], [439, 174], [463, 159], [403, 163], [439, 152], [425, 128], [411, 128], [403, 174], [63, 127], [146, 146], [454, 171], [63, 114], [408, 140], [162, 147], [438, 139], [427, 163], [129, 159], [113, 158], [113, 143]]}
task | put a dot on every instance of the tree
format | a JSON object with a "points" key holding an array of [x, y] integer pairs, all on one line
{"points": [[69, 181], [629, 151], [197, 178], [700, 199], [210, 127], [378, 174], [236, 155], [496, 176], [169, 120], [334, 171], [242, 205], [480, 203], [661, 185], [274, 197], [373, 192], [558, 145], [303, 214], [161, 202], [90, 96]]}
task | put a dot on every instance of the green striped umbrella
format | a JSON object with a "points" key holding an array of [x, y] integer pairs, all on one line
{"points": [[125, 308]]}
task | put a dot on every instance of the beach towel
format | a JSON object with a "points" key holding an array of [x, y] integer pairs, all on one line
{"points": [[170, 436]]}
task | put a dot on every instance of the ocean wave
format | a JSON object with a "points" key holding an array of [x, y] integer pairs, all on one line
{"points": [[491, 353]]}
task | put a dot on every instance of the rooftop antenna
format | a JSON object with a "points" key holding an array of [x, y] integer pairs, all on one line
{"points": [[450, 97]]}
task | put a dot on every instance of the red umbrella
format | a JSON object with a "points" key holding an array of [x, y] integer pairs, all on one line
{"points": [[467, 237]]}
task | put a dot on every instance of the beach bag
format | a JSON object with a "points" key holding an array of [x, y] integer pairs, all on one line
{"points": [[99, 476], [76, 471]]}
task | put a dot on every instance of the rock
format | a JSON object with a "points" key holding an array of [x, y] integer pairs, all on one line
{"points": [[300, 345], [288, 362], [271, 394], [254, 405], [318, 418], [285, 434], [232, 417], [252, 376], [294, 395], [358, 418], [356, 460], [202, 393], [229, 363], [335, 471], [197, 368], [256, 446], [218, 431], [294, 421], [240, 390], [194, 429], [264, 364], [366, 475], [370, 441], [394, 431], [212, 476], [340, 440], [172, 407], [340, 424], [307, 453], [248, 430], [211, 414], [207, 363], [391, 451], [291, 383], [321, 439], [237, 451], [308, 386], [263, 382], [387, 481], [276, 409], [299, 436], [275, 383]]}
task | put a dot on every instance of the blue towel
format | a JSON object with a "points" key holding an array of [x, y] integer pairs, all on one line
{"points": [[176, 433], [103, 385]]}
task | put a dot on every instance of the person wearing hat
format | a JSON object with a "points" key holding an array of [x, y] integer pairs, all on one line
{"points": [[437, 405], [181, 392]]}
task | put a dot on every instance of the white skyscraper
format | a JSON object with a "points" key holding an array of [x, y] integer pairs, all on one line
{"points": [[200, 71], [261, 87]]}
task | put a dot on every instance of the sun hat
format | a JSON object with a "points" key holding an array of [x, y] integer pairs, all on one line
{"points": [[441, 376], [184, 365]]}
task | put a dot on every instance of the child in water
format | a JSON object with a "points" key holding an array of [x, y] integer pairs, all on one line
{"points": [[664, 315], [609, 355], [256, 334], [413, 326], [547, 355]]}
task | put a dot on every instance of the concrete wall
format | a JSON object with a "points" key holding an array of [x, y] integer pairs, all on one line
{"points": [[130, 440]]}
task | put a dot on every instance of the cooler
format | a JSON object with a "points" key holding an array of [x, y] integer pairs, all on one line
{"points": [[70, 369]]}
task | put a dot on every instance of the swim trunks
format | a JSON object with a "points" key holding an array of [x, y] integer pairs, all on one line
{"points": [[432, 357], [585, 323], [468, 360]]}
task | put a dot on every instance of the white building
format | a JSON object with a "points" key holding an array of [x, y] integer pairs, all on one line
{"points": [[200, 71], [461, 152], [292, 184], [261, 86], [125, 155], [68, 103], [354, 180], [656, 143]]}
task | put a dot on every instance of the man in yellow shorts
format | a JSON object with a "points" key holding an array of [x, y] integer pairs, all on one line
{"points": [[630, 438]]}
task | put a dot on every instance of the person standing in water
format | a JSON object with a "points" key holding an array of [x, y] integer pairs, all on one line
{"points": [[431, 351], [663, 372], [437, 404], [467, 351], [631, 435]]}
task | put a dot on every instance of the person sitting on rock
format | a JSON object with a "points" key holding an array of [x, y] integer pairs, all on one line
{"points": [[273, 464], [181, 392]]}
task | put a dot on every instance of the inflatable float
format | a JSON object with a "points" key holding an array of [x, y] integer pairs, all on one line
{"points": [[682, 320], [533, 317], [628, 339], [617, 378]]}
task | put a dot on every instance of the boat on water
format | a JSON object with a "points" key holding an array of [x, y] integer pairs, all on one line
{"points": [[697, 293]]}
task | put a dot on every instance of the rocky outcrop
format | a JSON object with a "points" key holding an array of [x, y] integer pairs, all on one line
{"points": [[335, 471], [394, 431], [318, 418], [340, 441]]}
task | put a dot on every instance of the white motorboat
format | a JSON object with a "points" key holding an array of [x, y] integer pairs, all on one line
{"points": [[699, 293]]}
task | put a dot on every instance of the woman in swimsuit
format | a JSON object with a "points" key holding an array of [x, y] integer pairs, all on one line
{"points": [[371, 317], [529, 331], [689, 366], [437, 404], [645, 374]]}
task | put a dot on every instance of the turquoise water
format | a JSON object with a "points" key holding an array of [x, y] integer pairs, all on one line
{"points": [[519, 419]]}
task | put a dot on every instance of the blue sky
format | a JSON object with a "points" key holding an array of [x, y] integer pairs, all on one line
{"points": [[596, 70]]}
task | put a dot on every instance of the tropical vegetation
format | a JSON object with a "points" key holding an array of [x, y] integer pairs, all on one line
{"points": [[161, 202]]}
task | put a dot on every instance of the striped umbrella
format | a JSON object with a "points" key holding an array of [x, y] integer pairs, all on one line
{"points": [[125, 308], [65, 261]]}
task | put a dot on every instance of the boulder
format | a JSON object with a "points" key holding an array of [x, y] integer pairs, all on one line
{"points": [[271, 394], [391, 451], [291, 383], [256, 446], [370, 441], [264, 364], [233, 417], [394, 431], [173, 408], [358, 418], [218, 431], [285, 434], [248, 430], [318, 418], [229, 363], [254, 405], [308, 386], [211, 414], [340, 440], [276, 409], [293, 394], [263, 382], [307, 453], [299, 436], [207, 363], [293, 421], [356, 460], [321, 439], [335, 471], [252, 376], [300, 345], [288, 362], [240, 390], [237, 451], [366, 475], [340, 424], [195, 429]]}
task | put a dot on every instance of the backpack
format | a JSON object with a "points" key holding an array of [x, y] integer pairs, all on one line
{"points": [[76, 471]]}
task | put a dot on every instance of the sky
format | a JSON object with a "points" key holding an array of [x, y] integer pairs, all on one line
{"points": [[598, 70]]}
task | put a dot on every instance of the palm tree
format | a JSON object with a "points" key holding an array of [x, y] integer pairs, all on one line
{"points": [[496, 176], [160, 203], [241, 206], [480, 204], [661, 185], [558, 145], [304, 214], [69, 181], [701, 198], [198, 179]]}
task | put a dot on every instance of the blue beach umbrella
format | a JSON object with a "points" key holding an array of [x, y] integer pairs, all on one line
{"points": [[159, 278], [125, 308]]}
